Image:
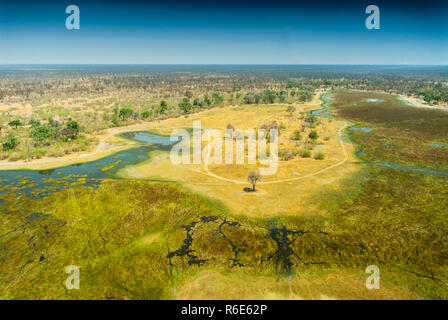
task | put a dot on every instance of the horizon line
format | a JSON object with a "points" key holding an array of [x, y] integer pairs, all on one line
{"points": [[217, 64]]}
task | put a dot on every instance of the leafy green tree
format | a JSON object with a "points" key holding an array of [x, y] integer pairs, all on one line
{"points": [[163, 106], [269, 96], [198, 102], [10, 142], [15, 123], [185, 105], [74, 127], [41, 134], [126, 113]]}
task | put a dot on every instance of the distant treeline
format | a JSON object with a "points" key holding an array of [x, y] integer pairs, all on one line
{"points": [[429, 90], [428, 83]]}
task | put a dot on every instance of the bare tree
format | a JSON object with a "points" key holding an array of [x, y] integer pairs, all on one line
{"points": [[253, 178]]}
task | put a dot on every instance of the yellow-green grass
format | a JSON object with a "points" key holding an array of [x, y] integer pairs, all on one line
{"points": [[313, 284], [122, 233]]}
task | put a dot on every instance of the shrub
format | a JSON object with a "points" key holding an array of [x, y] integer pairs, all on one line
{"points": [[313, 135], [311, 119], [296, 135], [146, 114], [319, 155], [34, 123], [291, 109], [126, 113], [163, 106], [305, 153], [10, 142], [286, 154]]}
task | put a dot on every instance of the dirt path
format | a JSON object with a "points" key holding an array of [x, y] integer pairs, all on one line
{"points": [[344, 150], [343, 147]]}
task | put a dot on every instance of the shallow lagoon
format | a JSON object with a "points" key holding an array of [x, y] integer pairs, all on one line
{"points": [[92, 172], [363, 129], [374, 100]]}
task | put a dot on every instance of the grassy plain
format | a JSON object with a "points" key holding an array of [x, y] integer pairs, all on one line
{"points": [[284, 193]]}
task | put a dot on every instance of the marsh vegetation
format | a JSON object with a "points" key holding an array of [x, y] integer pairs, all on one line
{"points": [[140, 228]]}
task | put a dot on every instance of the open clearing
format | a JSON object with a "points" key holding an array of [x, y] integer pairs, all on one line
{"points": [[287, 191]]}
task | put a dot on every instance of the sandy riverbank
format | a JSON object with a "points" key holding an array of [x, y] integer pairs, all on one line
{"points": [[420, 103]]}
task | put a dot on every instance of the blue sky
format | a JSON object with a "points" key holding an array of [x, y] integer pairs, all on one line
{"points": [[231, 32]]}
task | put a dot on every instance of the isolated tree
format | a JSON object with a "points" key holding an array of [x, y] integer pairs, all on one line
{"points": [[15, 123], [253, 178]]}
